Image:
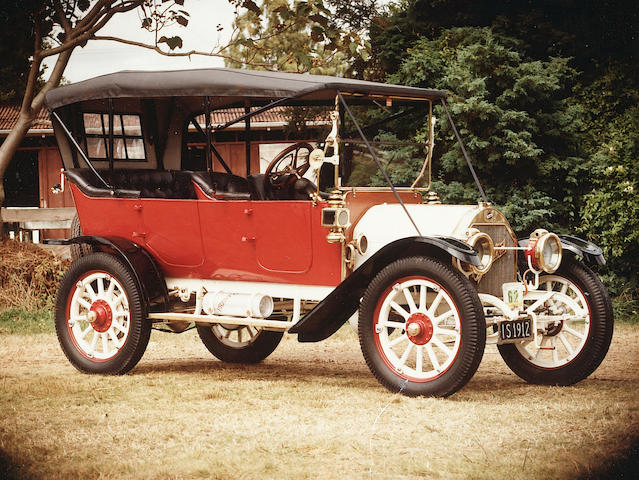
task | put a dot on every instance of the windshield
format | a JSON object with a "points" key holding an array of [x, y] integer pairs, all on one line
{"points": [[399, 138]]}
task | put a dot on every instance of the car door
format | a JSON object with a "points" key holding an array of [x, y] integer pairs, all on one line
{"points": [[283, 240]]}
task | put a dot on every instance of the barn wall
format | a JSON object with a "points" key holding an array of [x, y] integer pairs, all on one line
{"points": [[49, 165]]}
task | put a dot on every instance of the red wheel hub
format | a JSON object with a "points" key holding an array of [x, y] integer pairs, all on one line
{"points": [[419, 328], [103, 314]]}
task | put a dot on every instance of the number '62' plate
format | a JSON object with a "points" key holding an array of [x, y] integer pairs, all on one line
{"points": [[515, 330]]}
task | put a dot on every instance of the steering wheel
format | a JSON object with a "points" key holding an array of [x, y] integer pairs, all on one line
{"points": [[288, 161]]}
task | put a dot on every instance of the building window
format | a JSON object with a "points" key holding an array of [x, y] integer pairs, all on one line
{"points": [[128, 142]]}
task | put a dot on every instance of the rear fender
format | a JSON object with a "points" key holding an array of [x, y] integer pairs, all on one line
{"points": [[148, 276], [332, 312]]}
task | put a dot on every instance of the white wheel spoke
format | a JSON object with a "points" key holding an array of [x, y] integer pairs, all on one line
{"points": [[423, 290], [569, 330], [548, 286], [402, 361], [437, 320], [555, 354], [109, 292], [119, 327], [399, 309], [564, 288], [432, 357], [89, 289], [446, 331], [239, 335], [565, 343], [419, 360], [83, 333], [94, 342], [84, 303], [435, 305], [539, 350], [441, 346], [251, 333], [397, 340], [81, 318], [114, 338], [391, 324], [105, 343], [409, 300], [101, 287]]}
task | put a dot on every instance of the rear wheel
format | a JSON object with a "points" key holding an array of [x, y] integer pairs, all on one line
{"points": [[100, 319], [239, 343], [422, 328], [569, 349], [78, 249]]}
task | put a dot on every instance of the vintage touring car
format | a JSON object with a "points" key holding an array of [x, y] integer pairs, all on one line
{"points": [[170, 236]]}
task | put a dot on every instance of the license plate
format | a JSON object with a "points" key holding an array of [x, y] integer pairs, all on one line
{"points": [[515, 330]]}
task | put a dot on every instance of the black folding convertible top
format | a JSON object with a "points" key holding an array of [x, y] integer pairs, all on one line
{"points": [[225, 82]]}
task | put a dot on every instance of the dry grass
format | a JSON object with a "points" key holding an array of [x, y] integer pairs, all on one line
{"points": [[29, 276], [308, 411]]}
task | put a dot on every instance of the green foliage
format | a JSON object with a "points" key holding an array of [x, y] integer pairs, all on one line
{"points": [[626, 308], [611, 211], [296, 36], [514, 117], [22, 321]]}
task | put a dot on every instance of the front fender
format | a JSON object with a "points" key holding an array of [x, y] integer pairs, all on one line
{"points": [[331, 313], [592, 254]]}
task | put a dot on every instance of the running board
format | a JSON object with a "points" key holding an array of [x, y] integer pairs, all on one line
{"points": [[278, 325]]}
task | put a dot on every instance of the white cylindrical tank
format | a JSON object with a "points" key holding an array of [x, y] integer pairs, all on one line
{"points": [[237, 304]]}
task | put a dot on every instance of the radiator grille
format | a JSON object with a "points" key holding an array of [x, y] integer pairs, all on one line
{"points": [[504, 268]]}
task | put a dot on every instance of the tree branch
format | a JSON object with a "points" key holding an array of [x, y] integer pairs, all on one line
{"points": [[157, 49], [62, 18], [78, 36], [100, 16], [53, 81]]}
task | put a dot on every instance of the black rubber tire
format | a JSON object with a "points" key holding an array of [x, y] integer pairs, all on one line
{"points": [[473, 327], [78, 249], [137, 340], [597, 343], [262, 346]]}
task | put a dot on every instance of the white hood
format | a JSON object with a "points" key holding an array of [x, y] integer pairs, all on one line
{"points": [[383, 224]]}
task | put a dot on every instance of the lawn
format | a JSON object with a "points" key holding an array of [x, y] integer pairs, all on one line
{"points": [[308, 411]]}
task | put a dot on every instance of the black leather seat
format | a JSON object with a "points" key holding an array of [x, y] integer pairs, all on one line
{"points": [[222, 185], [134, 183]]}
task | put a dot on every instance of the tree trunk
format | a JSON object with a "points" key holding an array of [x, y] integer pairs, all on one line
{"points": [[32, 103], [8, 150]]}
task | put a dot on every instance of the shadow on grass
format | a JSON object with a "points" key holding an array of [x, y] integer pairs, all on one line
{"points": [[8, 470], [280, 370], [625, 467], [486, 386]]}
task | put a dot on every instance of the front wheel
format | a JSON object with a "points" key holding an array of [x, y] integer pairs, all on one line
{"points": [[570, 348], [421, 328], [99, 317]]}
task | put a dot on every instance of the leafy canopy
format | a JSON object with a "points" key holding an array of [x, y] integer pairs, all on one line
{"points": [[513, 116]]}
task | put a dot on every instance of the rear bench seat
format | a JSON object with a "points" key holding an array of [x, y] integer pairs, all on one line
{"points": [[134, 183]]}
